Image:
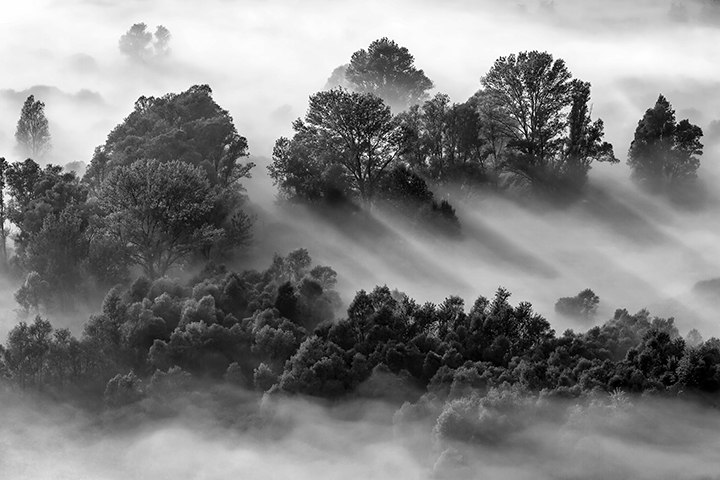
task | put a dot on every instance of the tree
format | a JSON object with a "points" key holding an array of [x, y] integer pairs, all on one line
{"points": [[546, 118], [447, 145], [57, 252], [583, 305], [187, 126], [27, 351], [137, 43], [192, 128], [33, 134], [405, 192], [4, 231], [160, 211], [351, 130], [338, 78], [663, 152], [388, 71], [34, 193]]}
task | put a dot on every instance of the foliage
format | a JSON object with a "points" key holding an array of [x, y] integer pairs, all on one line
{"points": [[664, 152], [138, 43], [583, 305], [347, 141], [483, 371], [447, 144], [36, 193], [188, 127], [407, 194], [33, 133], [160, 211], [4, 230], [546, 119], [387, 70]]}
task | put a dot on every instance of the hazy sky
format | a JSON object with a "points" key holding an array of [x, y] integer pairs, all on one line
{"points": [[264, 58]]}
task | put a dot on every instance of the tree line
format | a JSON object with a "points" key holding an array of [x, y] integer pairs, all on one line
{"points": [[276, 331], [529, 127]]}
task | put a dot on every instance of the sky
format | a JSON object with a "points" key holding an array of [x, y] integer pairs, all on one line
{"points": [[263, 59]]}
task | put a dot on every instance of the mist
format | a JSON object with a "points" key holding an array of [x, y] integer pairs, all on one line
{"points": [[651, 440], [263, 60]]}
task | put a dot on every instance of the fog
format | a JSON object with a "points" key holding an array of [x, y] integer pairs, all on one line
{"points": [[263, 60], [298, 439]]}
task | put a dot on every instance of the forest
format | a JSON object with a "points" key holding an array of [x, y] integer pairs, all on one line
{"points": [[152, 246]]}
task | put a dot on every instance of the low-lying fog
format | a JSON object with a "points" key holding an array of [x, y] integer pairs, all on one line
{"points": [[263, 60], [302, 441]]}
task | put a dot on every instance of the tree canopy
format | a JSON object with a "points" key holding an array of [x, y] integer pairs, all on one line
{"points": [[447, 145], [387, 70], [347, 137], [160, 211], [33, 133], [187, 126], [138, 43], [545, 115], [665, 152]]}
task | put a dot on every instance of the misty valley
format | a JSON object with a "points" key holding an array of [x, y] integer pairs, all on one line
{"points": [[356, 274]]}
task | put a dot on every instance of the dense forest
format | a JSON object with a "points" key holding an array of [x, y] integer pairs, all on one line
{"points": [[154, 233]]}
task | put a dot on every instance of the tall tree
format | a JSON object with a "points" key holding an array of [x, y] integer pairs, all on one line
{"points": [[33, 133], [160, 211], [188, 126], [354, 131], [4, 231], [388, 71], [546, 119], [664, 152]]}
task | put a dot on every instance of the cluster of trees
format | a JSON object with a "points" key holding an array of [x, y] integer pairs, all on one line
{"points": [[141, 45], [163, 191], [238, 326], [528, 127], [664, 152], [274, 331]]}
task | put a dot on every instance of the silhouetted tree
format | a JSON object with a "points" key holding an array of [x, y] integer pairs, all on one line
{"points": [[447, 146], [160, 210], [664, 152], [551, 137], [35, 193], [388, 71], [33, 133], [354, 131], [4, 230], [187, 126]]}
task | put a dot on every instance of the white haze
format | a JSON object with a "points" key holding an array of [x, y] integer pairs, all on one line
{"points": [[301, 440], [262, 60]]}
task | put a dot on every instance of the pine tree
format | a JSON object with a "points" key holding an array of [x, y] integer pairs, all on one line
{"points": [[33, 134]]}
